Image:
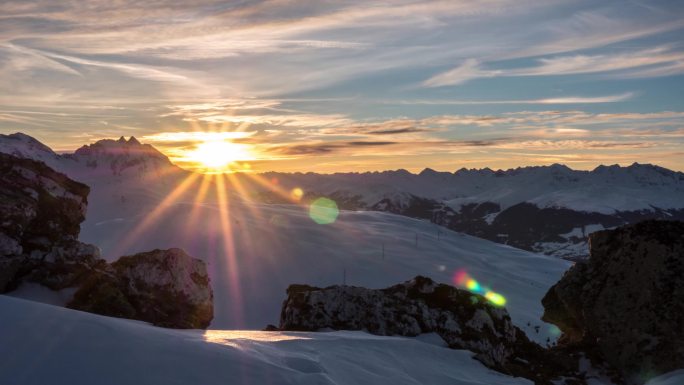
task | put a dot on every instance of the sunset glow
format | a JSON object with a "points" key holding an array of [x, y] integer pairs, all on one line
{"points": [[349, 86], [218, 156]]}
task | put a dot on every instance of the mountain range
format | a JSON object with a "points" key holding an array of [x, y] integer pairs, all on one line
{"points": [[547, 209]]}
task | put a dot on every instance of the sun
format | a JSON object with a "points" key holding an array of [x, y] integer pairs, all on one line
{"points": [[219, 155]]}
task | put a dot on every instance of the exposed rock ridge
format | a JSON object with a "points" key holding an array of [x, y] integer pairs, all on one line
{"points": [[626, 303], [164, 287], [463, 319]]}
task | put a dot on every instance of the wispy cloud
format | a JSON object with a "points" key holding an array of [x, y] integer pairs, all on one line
{"points": [[654, 62], [348, 78], [559, 100]]}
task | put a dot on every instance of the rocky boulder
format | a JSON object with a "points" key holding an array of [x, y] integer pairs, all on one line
{"points": [[625, 305], [164, 287], [463, 319], [40, 215]]}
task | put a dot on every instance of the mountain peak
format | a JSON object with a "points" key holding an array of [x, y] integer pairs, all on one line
{"points": [[427, 171], [19, 139], [121, 154]]}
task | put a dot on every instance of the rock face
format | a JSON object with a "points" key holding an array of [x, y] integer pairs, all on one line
{"points": [[463, 319], [626, 303], [164, 287], [40, 215]]}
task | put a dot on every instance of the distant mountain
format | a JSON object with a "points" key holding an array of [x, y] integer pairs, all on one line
{"points": [[547, 209], [126, 177], [103, 159]]}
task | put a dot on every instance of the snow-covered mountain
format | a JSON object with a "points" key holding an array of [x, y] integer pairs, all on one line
{"points": [[124, 174], [254, 251], [105, 159], [548, 209]]}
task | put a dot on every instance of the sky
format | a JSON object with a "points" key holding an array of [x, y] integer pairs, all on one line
{"points": [[330, 86]]}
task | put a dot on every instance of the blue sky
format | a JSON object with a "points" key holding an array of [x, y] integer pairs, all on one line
{"points": [[354, 85]]}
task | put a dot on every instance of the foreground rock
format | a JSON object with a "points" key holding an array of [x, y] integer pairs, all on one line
{"points": [[40, 215], [164, 287], [625, 305], [463, 319]]}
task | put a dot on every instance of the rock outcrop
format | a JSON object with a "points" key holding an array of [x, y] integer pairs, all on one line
{"points": [[40, 215], [164, 287], [463, 319], [625, 305]]}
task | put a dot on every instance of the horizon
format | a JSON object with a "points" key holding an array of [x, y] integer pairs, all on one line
{"points": [[352, 86], [415, 171]]}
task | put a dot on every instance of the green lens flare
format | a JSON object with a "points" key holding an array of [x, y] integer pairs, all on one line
{"points": [[323, 211]]}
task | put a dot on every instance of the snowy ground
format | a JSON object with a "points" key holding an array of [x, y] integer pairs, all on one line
{"points": [[277, 245], [43, 344]]}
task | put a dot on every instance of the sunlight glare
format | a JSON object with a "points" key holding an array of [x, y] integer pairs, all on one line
{"points": [[218, 156]]}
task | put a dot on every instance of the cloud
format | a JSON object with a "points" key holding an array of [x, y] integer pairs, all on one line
{"points": [[324, 148], [315, 77], [559, 100], [470, 69], [396, 131], [196, 136], [653, 62]]}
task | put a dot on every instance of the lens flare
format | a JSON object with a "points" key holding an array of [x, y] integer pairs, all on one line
{"points": [[462, 279], [297, 193], [323, 211], [473, 285], [495, 298], [554, 331]]}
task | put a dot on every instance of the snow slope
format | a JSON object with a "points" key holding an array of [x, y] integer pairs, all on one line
{"points": [[139, 201], [672, 378], [277, 245], [43, 344]]}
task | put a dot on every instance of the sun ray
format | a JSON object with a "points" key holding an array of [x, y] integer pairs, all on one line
{"points": [[198, 204], [283, 193], [135, 234], [229, 246]]}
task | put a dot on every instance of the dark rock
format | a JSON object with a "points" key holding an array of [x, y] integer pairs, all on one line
{"points": [[626, 303], [9, 267], [164, 287], [463, 319], [41, 211], [271, 328], [40, 215]]}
